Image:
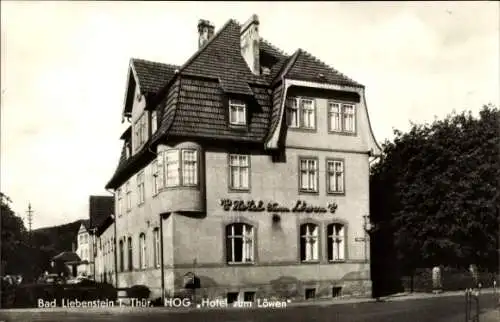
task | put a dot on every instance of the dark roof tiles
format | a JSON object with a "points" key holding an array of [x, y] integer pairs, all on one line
{"points": [[152, 75]]}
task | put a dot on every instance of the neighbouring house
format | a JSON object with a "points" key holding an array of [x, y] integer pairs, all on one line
{"points": [[100, 208], [84, 249], [246, 167], [105, 251]]}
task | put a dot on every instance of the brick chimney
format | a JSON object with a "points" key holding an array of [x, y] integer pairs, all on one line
{"points": [[205, 32], [250, 43]]}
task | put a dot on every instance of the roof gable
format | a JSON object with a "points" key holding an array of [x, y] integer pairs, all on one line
{"points": [[152, 76]]}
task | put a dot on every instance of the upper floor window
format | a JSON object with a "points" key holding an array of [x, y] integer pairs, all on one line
{"points": [[189, 167], [336, 242], [128, 150], [341, 117], [301, 113], [140, 188], [181, 167], [154, 121], [239, 243], [155, 174], [237, 112], [335, 176], [309, 242], [156, 249], [239, 171], [141, 131], [142, 250], [171, 168], [128, 196], [308, 175], [119, 206]]}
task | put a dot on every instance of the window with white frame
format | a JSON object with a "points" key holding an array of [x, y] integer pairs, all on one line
{"points": [[335, 176], [309, 242], [308, 175], [142, 250], [301, 113], [239, 243], [119, 204], [237, 112], [141, 130], [308, 116], [181, 167], [189, 167], [160, 170], [141, 191], [156, 247], [239, 171], [341, 117], [336, 242], [154, 121], [293, 112], [171, 168], [128, 196], [155, 177]]}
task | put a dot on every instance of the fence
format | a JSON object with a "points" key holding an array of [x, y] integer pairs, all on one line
{"points": [[472, 305]]}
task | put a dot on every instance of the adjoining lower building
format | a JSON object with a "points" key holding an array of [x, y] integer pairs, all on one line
{"points": [[246, 167]]}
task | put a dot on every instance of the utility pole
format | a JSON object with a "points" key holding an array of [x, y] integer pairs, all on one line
{"points": [[30, 220]]}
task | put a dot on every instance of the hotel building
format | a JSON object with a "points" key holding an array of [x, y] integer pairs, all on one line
{"points": [[246, 167]]}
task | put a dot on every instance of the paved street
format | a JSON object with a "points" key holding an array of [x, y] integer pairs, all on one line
{"points": [[439, 309]]}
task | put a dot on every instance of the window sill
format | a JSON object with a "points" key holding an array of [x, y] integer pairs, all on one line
{"points": [[231, 189], [314, 261], [181, 187], [240, 263], [308, 192], [304, 129], [336, 193], [336, 261], [344, 133], [140, 204]]}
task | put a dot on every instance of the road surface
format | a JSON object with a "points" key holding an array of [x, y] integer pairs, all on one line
{"points": [[434, 309]]}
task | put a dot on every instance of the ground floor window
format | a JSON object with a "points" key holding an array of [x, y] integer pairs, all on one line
{"points": [[239, 243]]}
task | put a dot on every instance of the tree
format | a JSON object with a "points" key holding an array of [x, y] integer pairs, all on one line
{"points": [[435, 190], [13, 238]]}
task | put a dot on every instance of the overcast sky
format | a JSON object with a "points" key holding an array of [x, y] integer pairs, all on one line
{"points": [[64, 68]]}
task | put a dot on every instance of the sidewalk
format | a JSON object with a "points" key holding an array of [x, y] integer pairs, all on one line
{"points": [[490, 316]]}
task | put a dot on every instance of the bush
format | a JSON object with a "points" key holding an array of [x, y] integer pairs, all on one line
{"points": [[138, 292]]}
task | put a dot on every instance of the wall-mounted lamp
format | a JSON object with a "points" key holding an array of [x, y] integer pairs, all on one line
{"points": [[276, 218], [368, 227]]}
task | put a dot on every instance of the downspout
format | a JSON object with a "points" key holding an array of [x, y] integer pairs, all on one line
{"points": [[114, 246], [162, 268]]}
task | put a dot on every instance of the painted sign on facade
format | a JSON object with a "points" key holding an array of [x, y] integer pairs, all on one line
{"points": [[274, 207]]}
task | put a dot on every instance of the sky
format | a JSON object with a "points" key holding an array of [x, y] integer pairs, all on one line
{"points": [[64, 69]]}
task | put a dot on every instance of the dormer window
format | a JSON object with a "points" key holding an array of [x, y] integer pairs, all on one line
{"points": [[237, 112], [141, 131], [128, 149], [301, 113], [154, 122]]}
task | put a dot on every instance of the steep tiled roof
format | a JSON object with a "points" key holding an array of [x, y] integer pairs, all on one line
{"points": [[308, 68], [192, 102], [152, 75], [100, 207]]}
